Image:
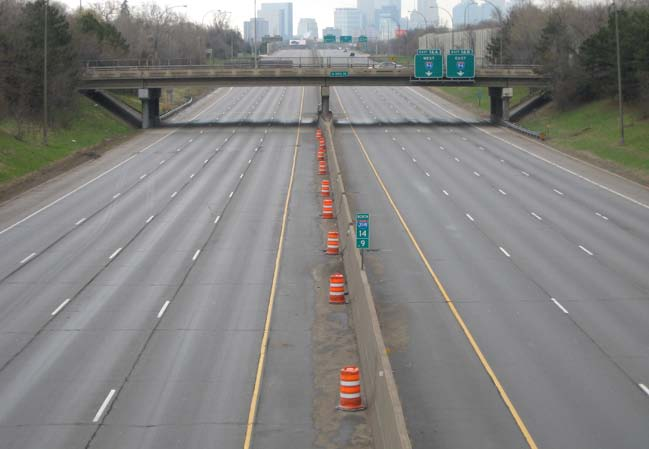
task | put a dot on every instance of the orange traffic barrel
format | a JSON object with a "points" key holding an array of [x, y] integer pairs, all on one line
{"points": [[322, 167], [322, 145], [325, 188], [333, 243], [318, 132], [327, 208], [337, 289], [350, 389], [321, 155]]}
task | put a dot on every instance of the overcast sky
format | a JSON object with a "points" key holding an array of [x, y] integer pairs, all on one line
{"points": [[322, 11]]}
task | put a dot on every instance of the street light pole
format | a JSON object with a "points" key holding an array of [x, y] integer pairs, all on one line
{"points": [[46, 5], [425, 24], [452, 25], [254, 35], [500, 21], [619, 76]]}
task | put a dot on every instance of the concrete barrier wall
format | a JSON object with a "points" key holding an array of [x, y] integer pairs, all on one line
{"points": [[379, 388]]}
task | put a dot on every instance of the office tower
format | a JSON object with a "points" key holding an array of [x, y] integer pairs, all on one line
{"points": [[248, 31], [307, 29], [349, 21], [279, 17]]}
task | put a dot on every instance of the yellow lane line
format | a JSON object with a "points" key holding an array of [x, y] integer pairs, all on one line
{"points": [[254, 401], [501, 390]]}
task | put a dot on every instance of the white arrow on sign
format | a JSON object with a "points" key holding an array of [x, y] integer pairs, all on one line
{"points": [[460, 73], [429, 73]]}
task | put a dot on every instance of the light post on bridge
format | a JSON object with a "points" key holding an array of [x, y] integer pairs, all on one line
{"points": [[425, 24], [452, 25], [500, 21]]}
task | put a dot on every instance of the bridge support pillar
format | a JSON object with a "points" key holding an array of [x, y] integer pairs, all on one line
{"points": [[324, 102], [496, 102], [150, 107]]}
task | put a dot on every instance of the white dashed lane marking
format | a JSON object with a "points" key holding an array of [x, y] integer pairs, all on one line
{"points": [[563, 309]]}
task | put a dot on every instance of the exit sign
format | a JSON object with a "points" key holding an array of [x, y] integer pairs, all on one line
{"points": [[338, 74]]}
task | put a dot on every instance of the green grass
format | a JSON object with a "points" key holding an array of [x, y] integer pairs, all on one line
{"points": [[478, 97], [592, 131], [19, 157], [180, 96]]}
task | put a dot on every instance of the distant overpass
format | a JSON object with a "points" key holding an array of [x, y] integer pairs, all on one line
{"points": [[302, 71]]}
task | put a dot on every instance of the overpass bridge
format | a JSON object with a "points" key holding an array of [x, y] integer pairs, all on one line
{"points": [[302, 71]]}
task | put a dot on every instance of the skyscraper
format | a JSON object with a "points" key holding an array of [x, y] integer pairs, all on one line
{"points": [[249, 32], [367, 10], [427, 9], [307, 28], [349, 21], [279, 17]]}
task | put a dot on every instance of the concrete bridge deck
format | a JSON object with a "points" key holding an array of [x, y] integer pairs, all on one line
{"points": [[281, 73]]}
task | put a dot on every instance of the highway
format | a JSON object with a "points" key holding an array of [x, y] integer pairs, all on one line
{"points": [[511, 281], [163, 296]]}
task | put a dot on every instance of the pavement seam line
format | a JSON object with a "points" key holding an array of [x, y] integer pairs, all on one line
{"points": [[101, 175], [547, 161], [483, 360], [254, 400]]}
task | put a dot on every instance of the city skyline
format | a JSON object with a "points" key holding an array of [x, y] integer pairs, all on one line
{"points": [[199, 11]]}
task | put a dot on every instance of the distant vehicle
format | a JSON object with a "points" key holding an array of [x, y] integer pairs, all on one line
{"points": [[352, 54], [344, 50], [387, 65]]}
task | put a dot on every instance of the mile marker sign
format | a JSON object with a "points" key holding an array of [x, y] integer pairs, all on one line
{"points": [[362, 231]]}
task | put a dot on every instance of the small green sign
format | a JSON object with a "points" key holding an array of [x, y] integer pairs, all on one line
{"points": [[345, 39], [362, 39], [363, 231], [460, 64], [429, 63], [338, 74], [329, 38]]}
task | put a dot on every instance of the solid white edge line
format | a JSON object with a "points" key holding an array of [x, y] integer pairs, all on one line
{"points": [[80, 221], [554, 164], [504, 251], [63, 304], [162, 310], [586, 250], [28, 258], [198, 251], [559, 305], [104, 405], [644, 388], [148, 220], [112, 256]]}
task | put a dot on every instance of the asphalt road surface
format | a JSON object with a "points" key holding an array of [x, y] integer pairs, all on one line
{"points": [[544, 259], [134, 292]]}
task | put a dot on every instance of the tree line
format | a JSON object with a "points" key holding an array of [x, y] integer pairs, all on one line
{"points": [[108, 30], [576, 45]]}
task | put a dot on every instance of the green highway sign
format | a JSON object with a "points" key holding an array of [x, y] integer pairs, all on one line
{"points": [[362, 231], [460, 64], [329, 38], [338, 74], [345, 39], [362, 39], [429, 63]]}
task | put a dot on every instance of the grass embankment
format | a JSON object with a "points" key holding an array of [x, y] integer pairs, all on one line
{"points": [[93, 125], [591, 132], [168, 100], [477, 98]]}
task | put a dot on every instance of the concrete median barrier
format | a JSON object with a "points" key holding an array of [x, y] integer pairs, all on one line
{"points": [[383, 404]]}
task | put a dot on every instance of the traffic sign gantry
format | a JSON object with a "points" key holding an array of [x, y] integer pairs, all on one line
{"points": [[460, 64], [329, 38], [429, 63], [362, 231], [345, 39]]}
